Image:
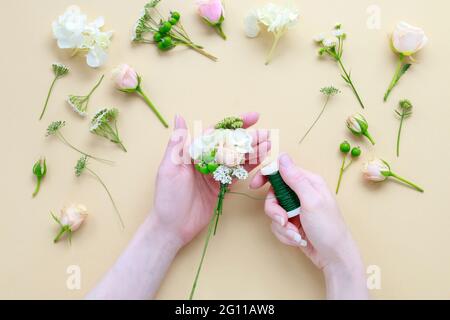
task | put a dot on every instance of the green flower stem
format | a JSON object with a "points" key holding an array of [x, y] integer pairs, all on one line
{"points": [[113, 135], [416, 187], [402, 118], [368, 136], [62, 231], [38, 186], [396, 77], [211, 229], [274, 47], [205, 247], [150, 104], [315, 122], [219, 30], [349, 81], [341, 173], [48, 97], [96, 86], [109, 194], [219, 208], [201, 51], [67, 143]]}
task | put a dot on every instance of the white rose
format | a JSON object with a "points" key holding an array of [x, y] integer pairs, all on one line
{"points": [[408, 39], [73, 216], [69, 28], [228, 156], [375, 170], [240, 140]]}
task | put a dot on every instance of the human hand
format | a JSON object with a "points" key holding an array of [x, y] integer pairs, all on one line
{"points": [[184, 198], [329, 243]]}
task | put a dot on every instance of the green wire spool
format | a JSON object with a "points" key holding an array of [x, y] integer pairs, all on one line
{"points": [[286, 197]]}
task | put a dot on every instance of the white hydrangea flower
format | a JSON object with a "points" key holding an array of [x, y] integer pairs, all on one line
{"points": [[240, 173], [73, 32], [223, 175], [251, 25], [68, 29], [277, 19]]}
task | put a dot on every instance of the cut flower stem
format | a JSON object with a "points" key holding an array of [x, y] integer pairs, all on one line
{"points": [[152, 106], [409, 183]]}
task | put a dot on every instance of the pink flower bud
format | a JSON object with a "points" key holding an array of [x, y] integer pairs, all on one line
{"points": [[211, 10], [73, 216], [376, 170], [125, 77]]}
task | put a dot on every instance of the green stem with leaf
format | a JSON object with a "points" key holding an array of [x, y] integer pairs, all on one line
{"points": [[347, 78], [399, 72]]}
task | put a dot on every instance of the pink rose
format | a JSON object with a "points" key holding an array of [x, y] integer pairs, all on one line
{"points": [[211, 10], [125, 77]]}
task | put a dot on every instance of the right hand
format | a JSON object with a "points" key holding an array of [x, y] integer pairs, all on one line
{"points": [[328, 240]]}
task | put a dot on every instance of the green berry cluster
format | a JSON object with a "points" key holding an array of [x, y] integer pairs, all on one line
{"points": [[162, 37], [231, 123], [346, 148], [207, 165]]}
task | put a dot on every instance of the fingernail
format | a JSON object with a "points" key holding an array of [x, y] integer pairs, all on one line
{"points": [[294, 236], [285, 160], [279, 220]]}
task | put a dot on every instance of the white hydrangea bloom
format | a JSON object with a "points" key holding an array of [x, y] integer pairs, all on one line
{"points": [[73, 32], [68, 29], [251, 25], [277, 18]]}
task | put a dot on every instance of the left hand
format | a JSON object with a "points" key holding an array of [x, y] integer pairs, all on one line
{"points": [[184, 198]]}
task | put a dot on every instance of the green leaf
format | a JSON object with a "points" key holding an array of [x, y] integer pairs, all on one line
{"points": [[403, 70]]}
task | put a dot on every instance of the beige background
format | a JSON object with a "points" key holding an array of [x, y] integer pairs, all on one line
{"points": [[403, 232]]}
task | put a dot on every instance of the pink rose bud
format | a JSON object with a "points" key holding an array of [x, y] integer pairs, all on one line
{"points": [[211, 10], [125, 77]]}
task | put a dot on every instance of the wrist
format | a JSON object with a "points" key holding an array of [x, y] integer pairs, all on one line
{"points": [[161, 234], [345, 276]]}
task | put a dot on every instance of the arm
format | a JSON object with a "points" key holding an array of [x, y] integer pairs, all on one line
{"points": [[330, 245], [139, 271]]}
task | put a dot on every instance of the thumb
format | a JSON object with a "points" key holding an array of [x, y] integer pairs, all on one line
{"points": [[296, 179], [175, 148]]}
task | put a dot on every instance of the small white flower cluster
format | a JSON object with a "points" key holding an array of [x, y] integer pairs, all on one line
{"points": [[77, 103], [333, 39], [225, 174], [276, 18], [72, 31]]}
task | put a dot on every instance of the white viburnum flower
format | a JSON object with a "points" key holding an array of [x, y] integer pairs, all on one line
{"points": [[68, 28], [276, 18]]}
